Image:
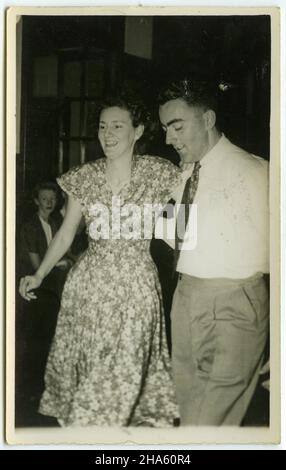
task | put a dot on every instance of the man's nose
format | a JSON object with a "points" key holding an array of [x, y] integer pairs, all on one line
{"points": [[169, 137]]}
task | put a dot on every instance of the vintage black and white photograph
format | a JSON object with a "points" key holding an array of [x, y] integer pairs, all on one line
{"points": [[141, 170]]}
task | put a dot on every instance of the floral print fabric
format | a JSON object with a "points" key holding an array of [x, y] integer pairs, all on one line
{"points": [[109, 363]]}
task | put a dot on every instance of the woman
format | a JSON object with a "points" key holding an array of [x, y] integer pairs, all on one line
{"points": [[36, 326], [109, 363], [38, 231]]}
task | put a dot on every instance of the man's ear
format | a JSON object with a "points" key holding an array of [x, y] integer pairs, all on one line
{"points": [[210, 119], [36, 201], [139, 131]]}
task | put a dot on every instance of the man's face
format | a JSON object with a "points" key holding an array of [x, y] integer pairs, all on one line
{"points": [[185, 128]]}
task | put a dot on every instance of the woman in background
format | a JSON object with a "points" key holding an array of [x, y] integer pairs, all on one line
{"points": [[36, 322]]}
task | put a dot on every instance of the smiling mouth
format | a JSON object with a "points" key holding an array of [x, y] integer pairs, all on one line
{"points": [[110, 144], [178, 148]]}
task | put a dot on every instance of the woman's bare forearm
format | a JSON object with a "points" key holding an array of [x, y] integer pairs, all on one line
{"points": [[60, 243], [35, 260], [57, 248]]}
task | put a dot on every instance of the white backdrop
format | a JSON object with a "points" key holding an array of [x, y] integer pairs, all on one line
{"points": [[228, 3]]}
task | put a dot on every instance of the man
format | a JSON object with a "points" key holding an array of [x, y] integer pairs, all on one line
{"points": [[220, 309]]}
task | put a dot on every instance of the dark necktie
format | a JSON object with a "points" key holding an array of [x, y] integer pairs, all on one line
{"points": [[190, 190]]}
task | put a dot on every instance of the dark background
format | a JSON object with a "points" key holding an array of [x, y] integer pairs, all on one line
{"points": [[70, 63]]}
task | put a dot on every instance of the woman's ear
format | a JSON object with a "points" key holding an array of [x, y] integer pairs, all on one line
{"points": [[139, 130], [210, 119]]}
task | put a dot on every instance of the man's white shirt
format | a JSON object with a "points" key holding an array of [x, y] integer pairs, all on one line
{"points": [[227, 235]]}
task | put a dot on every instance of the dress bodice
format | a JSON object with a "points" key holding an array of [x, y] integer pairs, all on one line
{"points": [[122, 224]]}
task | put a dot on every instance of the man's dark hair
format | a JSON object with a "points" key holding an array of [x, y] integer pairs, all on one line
{"points": [[194, 92]]}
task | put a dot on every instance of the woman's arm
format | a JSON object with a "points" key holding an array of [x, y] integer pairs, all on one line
{"points": [[57, 248], [63, 238], [35, 260]]}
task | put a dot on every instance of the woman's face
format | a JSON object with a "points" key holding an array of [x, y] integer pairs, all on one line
{"points": [[116, 134], [46, 201]]}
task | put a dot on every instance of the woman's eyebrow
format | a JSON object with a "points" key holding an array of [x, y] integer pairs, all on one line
{"points": [[115, 120]]}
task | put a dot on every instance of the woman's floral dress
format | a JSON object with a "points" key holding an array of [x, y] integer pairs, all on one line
{"points": [[109, 362]]}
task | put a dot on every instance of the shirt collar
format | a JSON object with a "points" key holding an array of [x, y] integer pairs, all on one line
{"points": [[216, 150], [43, 221], [210, 156]]}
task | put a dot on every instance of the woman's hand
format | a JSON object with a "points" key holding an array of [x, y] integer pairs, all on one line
{"points": [[185, 166], [28, 284]]}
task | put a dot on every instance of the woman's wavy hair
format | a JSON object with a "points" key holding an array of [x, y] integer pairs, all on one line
{"points": [[48, 185], [138, 111]]}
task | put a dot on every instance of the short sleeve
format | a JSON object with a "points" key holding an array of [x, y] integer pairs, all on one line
{"points": [[76, 182], [168, 178]]}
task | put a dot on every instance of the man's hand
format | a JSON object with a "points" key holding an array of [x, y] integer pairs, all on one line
{"points": [[266, 370], [64, 264]]}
